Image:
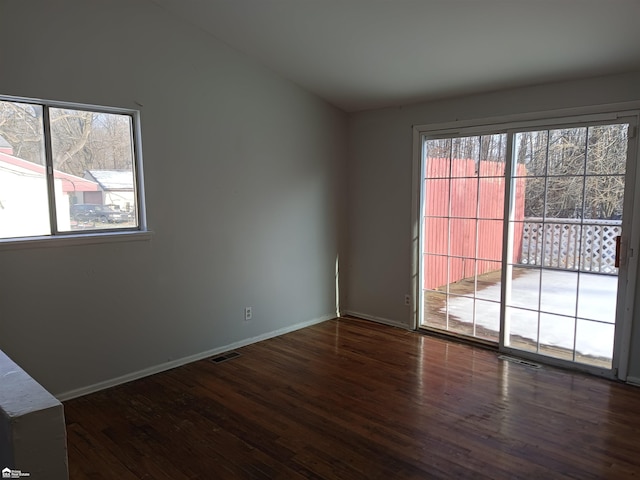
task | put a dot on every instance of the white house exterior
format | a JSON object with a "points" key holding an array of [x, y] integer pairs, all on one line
{"points": [[24, 200]]}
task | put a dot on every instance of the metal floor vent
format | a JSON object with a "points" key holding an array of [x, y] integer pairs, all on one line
{"points": [[224, 357], [518, 360]]}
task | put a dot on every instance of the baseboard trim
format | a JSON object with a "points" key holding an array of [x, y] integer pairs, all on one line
{"points": [[635, 381], [373, 318], [96, 387]]}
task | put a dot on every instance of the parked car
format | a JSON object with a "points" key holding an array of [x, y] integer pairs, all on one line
{"points": [[126, 215], [85, 212]]}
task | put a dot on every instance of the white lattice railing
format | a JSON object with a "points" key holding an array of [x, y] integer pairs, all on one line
{"points": [[571, 244]]}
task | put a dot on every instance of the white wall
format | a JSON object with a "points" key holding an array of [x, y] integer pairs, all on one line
{"points": [[380, 168], [244, 173]]}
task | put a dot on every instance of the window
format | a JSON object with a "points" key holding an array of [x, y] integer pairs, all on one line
{"points": [[67, 169]]}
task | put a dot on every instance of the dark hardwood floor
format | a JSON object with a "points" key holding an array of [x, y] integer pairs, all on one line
{"points": [[350, 399]]}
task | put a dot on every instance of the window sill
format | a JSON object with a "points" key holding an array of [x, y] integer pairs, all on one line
{"points": [[69, 240]]}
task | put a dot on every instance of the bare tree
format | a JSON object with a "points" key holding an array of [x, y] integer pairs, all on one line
{"points": [[70, 132], [109, 142], [573, 172], [21, 126], [557, 161], [81, 140]]}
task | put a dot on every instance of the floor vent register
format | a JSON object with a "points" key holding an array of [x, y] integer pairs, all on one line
{"points": [[519, 361], [223, 357]]}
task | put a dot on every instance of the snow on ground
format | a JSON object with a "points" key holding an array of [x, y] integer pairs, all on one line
{"points": [[562, 296]]}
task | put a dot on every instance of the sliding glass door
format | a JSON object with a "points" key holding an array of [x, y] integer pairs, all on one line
{"points": [[521, 234]]}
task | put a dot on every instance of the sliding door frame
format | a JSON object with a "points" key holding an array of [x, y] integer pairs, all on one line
{"points": [[605, 114]]}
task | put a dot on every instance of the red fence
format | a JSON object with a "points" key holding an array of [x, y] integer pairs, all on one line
{"points": [[463, 206]]}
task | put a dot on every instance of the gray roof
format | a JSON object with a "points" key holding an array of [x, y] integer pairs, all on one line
{"points": [[4, 143], [113, 179]]}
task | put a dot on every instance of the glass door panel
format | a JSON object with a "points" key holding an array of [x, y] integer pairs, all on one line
{"points": [[562, 287], [462, 219]]}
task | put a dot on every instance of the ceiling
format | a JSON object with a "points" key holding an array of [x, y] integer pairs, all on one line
{"points": [[365, 54]]}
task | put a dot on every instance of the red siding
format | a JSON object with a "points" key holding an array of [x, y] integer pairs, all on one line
{"points": [[472, 198]]}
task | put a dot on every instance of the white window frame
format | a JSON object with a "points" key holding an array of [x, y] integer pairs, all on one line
{"points": [[58, 238]]}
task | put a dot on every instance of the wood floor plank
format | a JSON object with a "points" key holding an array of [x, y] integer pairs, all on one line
{"points": [[350, 399]]}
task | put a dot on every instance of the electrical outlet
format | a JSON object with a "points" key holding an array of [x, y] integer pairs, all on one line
{"points": [[407, 300], [248, 314]]}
